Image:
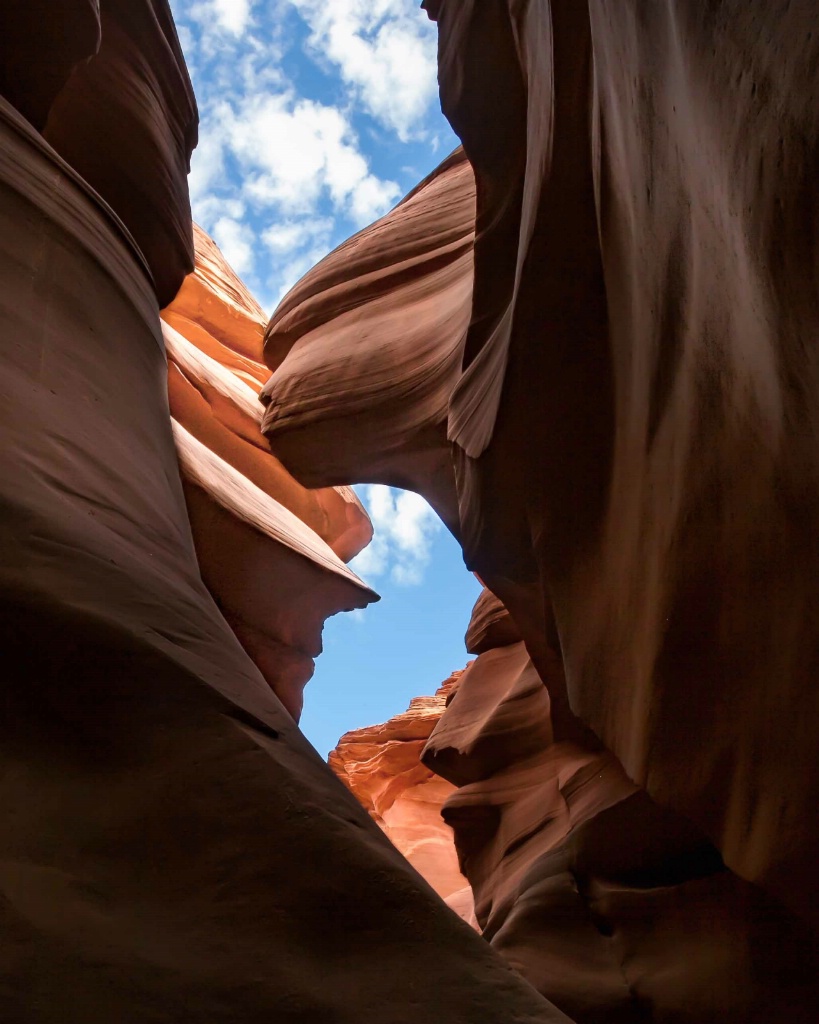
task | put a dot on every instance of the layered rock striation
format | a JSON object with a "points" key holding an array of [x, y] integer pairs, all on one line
{"points": [[381, 765], [366, 348], [270, 551], [586, 885], [658, 259]]}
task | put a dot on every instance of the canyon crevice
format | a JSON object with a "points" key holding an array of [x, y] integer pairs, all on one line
{"points": [[588, 338]]}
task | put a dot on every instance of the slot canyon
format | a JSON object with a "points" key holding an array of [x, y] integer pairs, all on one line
{"points": [[589, 339]]}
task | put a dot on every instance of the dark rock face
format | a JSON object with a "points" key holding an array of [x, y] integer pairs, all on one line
{"points": [[614, 907], [41, 42], [657, 387], [126, 120]]}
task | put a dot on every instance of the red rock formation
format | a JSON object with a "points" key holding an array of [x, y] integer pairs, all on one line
{"points": [[381, 766], [589, 888], [213, 334], [364, 373], [252, 522], [172, 848]]}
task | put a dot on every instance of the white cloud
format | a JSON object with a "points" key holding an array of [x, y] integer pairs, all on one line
{"points": [[404, 527], [231, 16], [300, 172], [207, 165], [280, 177], [385, 51], [237, 242], [292, 235], [295, 152]]}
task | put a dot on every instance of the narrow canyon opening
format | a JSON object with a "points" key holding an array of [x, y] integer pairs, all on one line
{"points": [[547, 268]]}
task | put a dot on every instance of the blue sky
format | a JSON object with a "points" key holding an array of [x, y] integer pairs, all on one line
{"points": [[316, 117]]}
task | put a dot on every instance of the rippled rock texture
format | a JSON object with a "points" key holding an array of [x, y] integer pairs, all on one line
{"points": [[271, 552], [366, 348], [381, 765]]}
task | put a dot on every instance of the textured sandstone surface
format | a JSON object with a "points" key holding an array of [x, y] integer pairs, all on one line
{"points": [[619, 423], [213, 334], [652, 232], [613, 907], [366, 347], [270, 551], [381, 766], [633, 437]]}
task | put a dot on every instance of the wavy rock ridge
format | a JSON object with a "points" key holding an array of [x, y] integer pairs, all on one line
{"points": [[252, 522]]}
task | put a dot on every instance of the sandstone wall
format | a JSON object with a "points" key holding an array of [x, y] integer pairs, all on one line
{"points": [[270, 551], [631, 430]]}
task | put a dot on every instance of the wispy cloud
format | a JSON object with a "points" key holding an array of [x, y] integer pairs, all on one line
{"points": [[226, 15], [404, 527], [294, 153], [384, 53]]}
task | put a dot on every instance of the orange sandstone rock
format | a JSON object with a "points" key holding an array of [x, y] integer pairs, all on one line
{"points": [[381, 765], [252, 522]]}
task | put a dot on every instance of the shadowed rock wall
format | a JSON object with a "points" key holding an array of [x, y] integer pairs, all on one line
{"points": [[632, 432]]}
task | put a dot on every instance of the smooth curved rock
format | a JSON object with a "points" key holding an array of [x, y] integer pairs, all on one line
{"points": [[502, 717], [490, 625], [215, 299], [381, 766], [660, 481], [274, 579], [252, 523], [172, 849], [41, 42], [366, 348], [615, 909], [213, 335], [127, 121]]}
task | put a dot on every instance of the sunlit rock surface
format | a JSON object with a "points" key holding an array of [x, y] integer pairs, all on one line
{"points": [[271, 552], [381, 765]]}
